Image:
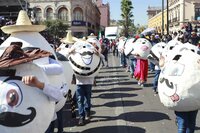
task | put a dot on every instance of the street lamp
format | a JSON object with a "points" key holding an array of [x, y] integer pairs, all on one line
{"points": [[167, 17], [163, 17], [163, 22]]}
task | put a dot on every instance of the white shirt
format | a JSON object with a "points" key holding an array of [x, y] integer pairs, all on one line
{"points": [[84, 80]]}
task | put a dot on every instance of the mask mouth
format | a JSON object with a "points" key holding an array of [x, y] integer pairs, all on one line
{"points": [[87, 57], [175, 98], [12, 119], [144, 48], [77, 65], [89, 73], [171, 90], [86, 53]]}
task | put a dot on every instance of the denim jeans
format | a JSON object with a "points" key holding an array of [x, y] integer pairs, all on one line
{"points": [[186, 121], [50, 129], [151, 66], [132, 65], [83, 96], [155, 81], [60, 120], [123, 59]]}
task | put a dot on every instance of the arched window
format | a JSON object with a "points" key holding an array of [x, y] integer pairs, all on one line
{"points": [[49, 14], [38, 14], [63, 14], [78, 14]]}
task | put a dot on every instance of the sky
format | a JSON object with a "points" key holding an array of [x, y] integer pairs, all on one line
{"points": [[139, 11]]}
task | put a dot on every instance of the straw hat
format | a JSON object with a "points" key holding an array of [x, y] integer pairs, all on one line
{"points": [[23, 24], [68, 39], [92, 36], [83, 38]]}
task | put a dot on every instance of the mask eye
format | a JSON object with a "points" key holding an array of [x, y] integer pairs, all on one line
{"points": [[177, 57], [170, 48], [175, 69], [11, 93], [12, 97]]}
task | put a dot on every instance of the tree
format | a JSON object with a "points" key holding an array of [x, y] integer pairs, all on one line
{"points": [[126, 22], [56, 28]]}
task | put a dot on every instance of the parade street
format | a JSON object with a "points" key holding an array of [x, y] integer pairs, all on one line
{"points": [[120, 105]]}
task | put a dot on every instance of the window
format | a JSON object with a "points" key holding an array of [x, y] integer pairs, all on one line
{"points": [[197, 13], [78, 14], [38, 14], [49, 14], [63, 14]]}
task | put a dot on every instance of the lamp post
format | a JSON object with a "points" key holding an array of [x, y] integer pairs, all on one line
{"points": [[163, 17], [167, 17]]}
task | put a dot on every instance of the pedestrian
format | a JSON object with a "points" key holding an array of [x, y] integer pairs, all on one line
{"points": [[105, 50], [121, 47], [53, 92], [185, 99], [84, 83], [186, 121], [141, 71], [113, 45]]}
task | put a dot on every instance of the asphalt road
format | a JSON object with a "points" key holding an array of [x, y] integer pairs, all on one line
{"points": [[120, 105]]}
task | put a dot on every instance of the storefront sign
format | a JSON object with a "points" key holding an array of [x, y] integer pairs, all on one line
{"points": [[78, 23]]}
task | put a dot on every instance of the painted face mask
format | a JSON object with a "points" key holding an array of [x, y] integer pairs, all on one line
{"points": [[179, 81], [22, 108], [141, 48], [85, 61]]}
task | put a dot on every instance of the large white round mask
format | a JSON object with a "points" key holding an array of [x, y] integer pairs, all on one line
{"points": [[156, 52], [84, 61], [23, 108], [28, 39], [179, 82], [169, 47], [141, 48], [129, 46]]}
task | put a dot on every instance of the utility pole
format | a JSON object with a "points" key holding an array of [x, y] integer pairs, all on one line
{"points": [[167, 18], [163, 17]]}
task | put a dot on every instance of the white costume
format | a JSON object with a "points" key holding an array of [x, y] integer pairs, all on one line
{"points": [[179, 79]]}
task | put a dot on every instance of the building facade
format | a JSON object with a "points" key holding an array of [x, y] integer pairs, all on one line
{"points": [[155, 19], [156, 22], [105, 13], [183, 11], [11, 8], [82, 16], [180, 13]]}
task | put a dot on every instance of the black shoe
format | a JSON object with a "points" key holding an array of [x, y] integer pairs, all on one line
{"points": [[81, 122], [155, 92]]}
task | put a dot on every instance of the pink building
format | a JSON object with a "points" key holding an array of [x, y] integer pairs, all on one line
{"points": [[105, 13]]}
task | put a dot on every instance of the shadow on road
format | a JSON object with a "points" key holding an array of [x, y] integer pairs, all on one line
{"points": [[142, 116], [111, 76], [114, 129], [120, 104], [121, 89], [113, 71], [114, 95]]}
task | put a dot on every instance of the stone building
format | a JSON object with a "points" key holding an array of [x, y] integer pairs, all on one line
{"points": [[105, 13], [155, 19], [156, 22], [82, 16], [10, 8], [183, 11], [180, 13]]}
